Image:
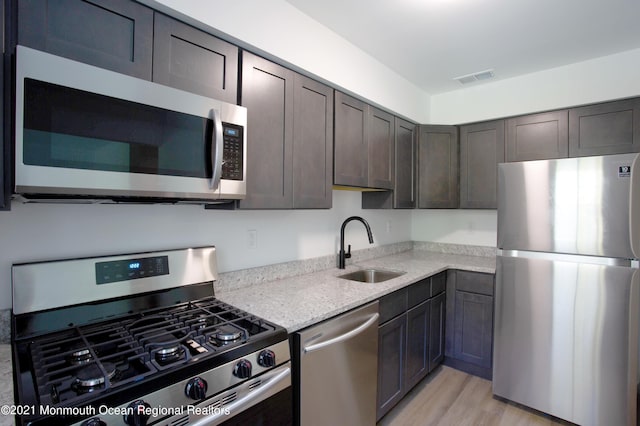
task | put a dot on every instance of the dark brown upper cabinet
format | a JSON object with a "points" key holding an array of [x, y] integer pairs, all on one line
{"points": [[351, 160], [403, 195], [537, 136], [289, 138], [364, 144], [404, 192], [438, 167], [481, 149], [312, 144], [5, 146], [192, 60], [267, 92], [381, 149], [607, 128], [111, 34]]}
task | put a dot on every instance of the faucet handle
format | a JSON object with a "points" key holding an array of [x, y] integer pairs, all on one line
{"points": [[347, 255]]}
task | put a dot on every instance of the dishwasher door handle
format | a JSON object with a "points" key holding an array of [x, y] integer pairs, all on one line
{"points": [[343, 337]]}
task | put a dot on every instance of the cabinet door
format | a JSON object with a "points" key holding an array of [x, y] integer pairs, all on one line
{"points": [[267, 92], [481, 149], [417, 344], [391, 364], [380, 148], [438, 167], [351, 153], [537, 136], [5, 190], [436, 330], [112, 34], [404, 196], [192, 60], [313, 144], [473, 328], [608, 128]]}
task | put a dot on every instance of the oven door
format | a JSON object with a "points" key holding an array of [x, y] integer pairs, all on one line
{"points": [[86, 131], [263, 400]]}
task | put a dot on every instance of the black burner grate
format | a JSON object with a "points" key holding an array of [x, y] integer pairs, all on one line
{"points": [[135, 347]]}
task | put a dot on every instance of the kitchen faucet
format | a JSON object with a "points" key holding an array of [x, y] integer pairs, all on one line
{"points": [[342, 255]]}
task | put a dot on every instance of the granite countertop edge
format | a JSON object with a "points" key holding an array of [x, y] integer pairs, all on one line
{"points": [[299, 302]]}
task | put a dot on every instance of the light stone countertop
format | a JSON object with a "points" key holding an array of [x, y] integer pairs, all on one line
{"points": [[6, 383], [299, 302]]}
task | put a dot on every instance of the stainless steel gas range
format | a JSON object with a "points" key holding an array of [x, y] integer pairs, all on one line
{"points": [[140, 339]]}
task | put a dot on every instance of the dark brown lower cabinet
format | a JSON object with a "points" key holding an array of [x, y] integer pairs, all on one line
{"points": [[417, 344], [469, 322], [410, 338], [436, 330], [391, 363]]}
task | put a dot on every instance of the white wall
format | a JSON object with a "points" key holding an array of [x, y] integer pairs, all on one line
{"points": [[474, 227], [284, 34], [36, 232], [602, 79]]}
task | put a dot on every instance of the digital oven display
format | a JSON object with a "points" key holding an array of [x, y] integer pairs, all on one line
{"points": [[131, 269]]}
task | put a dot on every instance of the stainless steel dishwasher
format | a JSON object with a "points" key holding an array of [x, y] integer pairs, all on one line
{"points": [[336, 365]]}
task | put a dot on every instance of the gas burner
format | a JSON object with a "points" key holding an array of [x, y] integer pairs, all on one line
{"points": [[91, 377], [167, 356], [227, 334], [203, 321], [79, 357], [169, 349]]}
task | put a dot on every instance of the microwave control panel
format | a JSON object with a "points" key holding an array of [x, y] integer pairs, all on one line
{"points": [[233, 152]]}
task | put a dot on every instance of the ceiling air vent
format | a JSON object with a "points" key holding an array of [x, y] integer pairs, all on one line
{"points": [[478, 76]]}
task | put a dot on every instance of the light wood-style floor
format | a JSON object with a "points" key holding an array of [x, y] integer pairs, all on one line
{"points": [[451, 397]]}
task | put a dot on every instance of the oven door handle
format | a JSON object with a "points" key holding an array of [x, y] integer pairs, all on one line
{"points": [[239, 405], [217, 145]]}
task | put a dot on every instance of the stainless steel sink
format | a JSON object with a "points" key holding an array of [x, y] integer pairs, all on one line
{"points": [[371, 275]]}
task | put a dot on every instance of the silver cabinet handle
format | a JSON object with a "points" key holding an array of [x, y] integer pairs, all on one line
{"points": [[217, 145], [219, 416], [343, 337]]}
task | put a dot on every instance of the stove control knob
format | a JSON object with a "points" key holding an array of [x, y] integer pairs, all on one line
{"points": [[137, 413], [242, 370], [267, 358], [196, 389], [96, 421]]}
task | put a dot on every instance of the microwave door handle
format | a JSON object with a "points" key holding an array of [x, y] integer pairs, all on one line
{"points": [[217, 145]]}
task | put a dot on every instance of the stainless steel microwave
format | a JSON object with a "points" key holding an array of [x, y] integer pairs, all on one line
{"points": [[85, 132]]}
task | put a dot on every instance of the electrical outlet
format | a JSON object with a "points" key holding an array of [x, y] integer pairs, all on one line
{"points": [[388, 226], [252, 239]]}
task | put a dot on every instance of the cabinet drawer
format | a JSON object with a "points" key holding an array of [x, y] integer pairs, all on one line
{"points": [[419, 292], [392, 305], [474, 282], [426, 289], [438, 283]]}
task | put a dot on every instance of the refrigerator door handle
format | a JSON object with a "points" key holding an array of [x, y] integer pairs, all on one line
{"points": [[573, 258]]}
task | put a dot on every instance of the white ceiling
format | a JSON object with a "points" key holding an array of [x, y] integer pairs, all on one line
{"points": [[430, 42]]}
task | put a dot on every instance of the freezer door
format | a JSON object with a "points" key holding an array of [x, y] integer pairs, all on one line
{"points": [[566, 338], [576, 205]]}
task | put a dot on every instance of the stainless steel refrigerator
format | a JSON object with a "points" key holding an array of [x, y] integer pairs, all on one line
{"points": [[568, 288]]}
